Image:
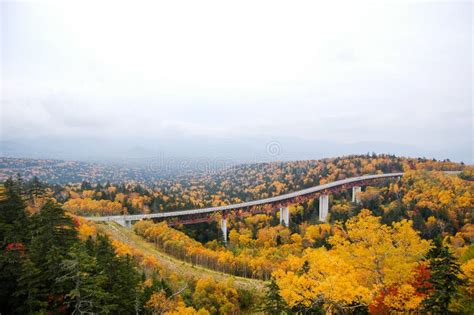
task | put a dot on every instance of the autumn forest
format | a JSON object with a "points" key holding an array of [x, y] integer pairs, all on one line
{"points": [[407, 246], [236, 157]]}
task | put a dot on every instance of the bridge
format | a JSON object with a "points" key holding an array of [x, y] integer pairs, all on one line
{"points": [[260, 206]]}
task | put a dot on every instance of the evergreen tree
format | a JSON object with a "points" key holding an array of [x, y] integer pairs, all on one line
{"points": [[35, 189], [122, 277], [13, 218], [86, 186], [444, 278], [52, 235], [88, 293], [30, 289], [45, 268], [273, 302], [98, 187], [52, 230], [13, 239]]}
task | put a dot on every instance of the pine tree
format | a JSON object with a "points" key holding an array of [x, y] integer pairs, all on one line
{"points": [[273, 303], [13, 218], [52, 235], [122, 277], [52, 230], [45, 268], [30, 290], [13, 239], [35, 190], [88, 293], [444, 277], [86, 186]]}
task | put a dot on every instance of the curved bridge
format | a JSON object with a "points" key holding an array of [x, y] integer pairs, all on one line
{"points": [[261, 205]]}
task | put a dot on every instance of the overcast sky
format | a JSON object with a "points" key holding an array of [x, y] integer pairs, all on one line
{"points": [[342, 72]]}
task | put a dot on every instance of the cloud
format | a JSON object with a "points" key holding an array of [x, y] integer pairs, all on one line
{"points": [[372, 72]]}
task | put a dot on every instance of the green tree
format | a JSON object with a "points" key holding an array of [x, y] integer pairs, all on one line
{"points": [[13, 239], [273, 302], [30, 289], [13, 218], [52, 235], [122, 277], [35, 189], [88, 293], [444, 277], [45, 268]]}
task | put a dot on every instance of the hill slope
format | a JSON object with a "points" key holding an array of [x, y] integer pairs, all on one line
{"points": [[182, 268]]}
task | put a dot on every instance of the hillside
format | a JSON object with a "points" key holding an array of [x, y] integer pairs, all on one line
{"points": [[181, 268], [378, 255]]}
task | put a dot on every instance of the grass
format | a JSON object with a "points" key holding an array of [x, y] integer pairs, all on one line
{"points": [[180, 267]]}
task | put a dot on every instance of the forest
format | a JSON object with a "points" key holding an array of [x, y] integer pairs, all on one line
{"points": [[406, 247]]}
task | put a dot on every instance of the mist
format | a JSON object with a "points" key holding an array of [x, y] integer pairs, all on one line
{"points": [[103, 81]]}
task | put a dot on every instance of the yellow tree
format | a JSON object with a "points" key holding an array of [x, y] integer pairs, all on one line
{"points": [[216, 297], [182, 309], [159, 303], [384, 255], [328, 279], [367, 259]]}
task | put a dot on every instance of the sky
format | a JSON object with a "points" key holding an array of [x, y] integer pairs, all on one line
{"points": [[92, 79]]}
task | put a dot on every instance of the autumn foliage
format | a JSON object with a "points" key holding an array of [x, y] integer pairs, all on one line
{"points": [[367, 257]]}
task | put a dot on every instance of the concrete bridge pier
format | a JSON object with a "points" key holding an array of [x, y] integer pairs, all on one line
{"points": [[124, 222], [323, 207], [285, 216], [224, 228], [355, 194]]}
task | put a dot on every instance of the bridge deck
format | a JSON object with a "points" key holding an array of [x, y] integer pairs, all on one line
{"points": [[248, 204]]}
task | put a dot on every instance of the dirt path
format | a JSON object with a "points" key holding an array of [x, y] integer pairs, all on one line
{"points": [[180, 267]]}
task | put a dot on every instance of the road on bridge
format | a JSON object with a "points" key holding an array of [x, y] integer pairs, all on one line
{"points": [[249, 204]]}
